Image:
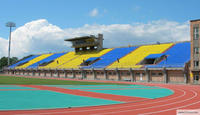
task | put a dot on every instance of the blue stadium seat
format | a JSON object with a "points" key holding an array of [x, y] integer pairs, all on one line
{"points": [[154, 56], [177, 56], [23, 61], [111, 57], [46, 60]]}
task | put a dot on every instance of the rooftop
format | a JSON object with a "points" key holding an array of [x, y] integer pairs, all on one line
{"points": [[79, 38], [194, 20]]}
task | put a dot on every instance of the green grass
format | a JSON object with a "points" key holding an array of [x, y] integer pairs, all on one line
{"points": [[38, 81]]}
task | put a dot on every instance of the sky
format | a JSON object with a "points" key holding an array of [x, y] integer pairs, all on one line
{"points": [[42, 25]]}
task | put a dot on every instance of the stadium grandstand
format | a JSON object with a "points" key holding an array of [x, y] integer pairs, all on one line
{"points": [[160, 62]]}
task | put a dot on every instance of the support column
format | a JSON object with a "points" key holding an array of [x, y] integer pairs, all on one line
{"points": [[45, 73], [23, 72], [118, 74], [105, 74], [94, 74], [165, 75], [83, 74], [19, 72], [65, 73], [73, 73], [132, 75], [147, 75], [16, 71], [33, 74], [39, 72], [27, 72], [51, 73], [185, 76], [58, 73]]}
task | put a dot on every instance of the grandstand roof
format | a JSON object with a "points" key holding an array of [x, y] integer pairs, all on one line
{"points": [[79, 38]]}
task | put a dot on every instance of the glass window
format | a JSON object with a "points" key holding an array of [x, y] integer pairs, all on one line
{"points": [[196, 63], [196, 50], [153, 74], [137, 74], [160, 74], [196, 33], [128, 73]]}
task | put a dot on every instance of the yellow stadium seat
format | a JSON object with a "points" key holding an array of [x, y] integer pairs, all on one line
{"points": [[132, 59], [62, 60], [41, 57], [80, 57]]}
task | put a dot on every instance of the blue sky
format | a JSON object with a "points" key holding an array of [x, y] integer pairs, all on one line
{"points": [[42, 25], [75, 13]]}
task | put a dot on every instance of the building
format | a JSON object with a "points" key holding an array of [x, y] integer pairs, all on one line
{"points": [[195, 51], [87, 43]]}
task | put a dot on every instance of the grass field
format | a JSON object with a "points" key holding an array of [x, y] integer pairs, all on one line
{"points": [[10, 80]]}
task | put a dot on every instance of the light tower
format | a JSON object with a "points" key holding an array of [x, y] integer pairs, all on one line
{"points": [[10, 25]]}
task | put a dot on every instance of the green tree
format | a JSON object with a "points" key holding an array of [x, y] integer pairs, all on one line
{"points": [[4, 61]]}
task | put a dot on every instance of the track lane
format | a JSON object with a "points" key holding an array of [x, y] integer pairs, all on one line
{"points": [[193, 103]]}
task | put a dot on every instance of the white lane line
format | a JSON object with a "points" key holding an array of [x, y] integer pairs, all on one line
{"points": [[171, 108], [108, 108], [149, 107]]}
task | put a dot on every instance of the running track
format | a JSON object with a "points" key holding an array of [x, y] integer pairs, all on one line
{"points": [[184, 97]]}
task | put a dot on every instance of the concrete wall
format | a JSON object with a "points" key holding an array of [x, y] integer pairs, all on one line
{"points": [[176, 76], [161, 76], [156, 76]]}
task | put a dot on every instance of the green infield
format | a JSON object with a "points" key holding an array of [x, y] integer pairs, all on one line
{"points": [[38, 81], [151, 92], [42, 99]]}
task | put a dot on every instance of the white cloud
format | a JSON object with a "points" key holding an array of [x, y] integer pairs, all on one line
{"points": [[3, 47], [42, 37], [94, 12]]}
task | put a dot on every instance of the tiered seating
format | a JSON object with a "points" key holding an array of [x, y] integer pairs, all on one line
{"points": [[41, 57], [111, 57], [75, 62], [177, 56], [61, 60], [23, 61], [46, 60], [132, 59]]}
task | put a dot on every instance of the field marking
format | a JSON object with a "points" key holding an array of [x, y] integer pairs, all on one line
{"points": [[119, 89], [170, 86], [149, 107], [171, 108], [120, 98], [110, 108]]}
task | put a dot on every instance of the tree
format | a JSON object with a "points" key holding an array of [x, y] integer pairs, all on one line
{"points": [[4, 61]]}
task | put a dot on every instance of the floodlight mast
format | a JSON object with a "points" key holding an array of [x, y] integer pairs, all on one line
{"points": [[10, 25]]}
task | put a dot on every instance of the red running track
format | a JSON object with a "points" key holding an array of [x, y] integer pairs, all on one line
{"points": [[184, 97], [88, 94]]}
